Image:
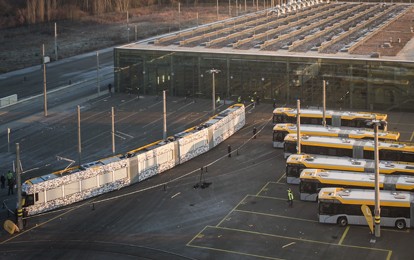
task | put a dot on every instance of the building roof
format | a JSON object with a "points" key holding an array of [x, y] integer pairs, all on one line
{"points": [[307, 28]]}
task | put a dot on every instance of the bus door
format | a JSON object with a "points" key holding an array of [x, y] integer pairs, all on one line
{"points": [[358, 150], [411, 214], [336, 120]]}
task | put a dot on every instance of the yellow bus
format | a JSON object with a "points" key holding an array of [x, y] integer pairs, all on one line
{"points": [[343, 206], [355, 148], [281, 130], [333, 117], [313, 180], [297, 162]]}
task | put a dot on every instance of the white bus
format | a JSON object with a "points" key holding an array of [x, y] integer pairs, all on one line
{"points": [[333, 117], [355, 148], [343, 206], [281, 130], [313, 180], [297, 162]]}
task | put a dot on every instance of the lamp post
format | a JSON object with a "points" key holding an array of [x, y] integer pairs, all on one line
{"points": [[213, 72], [377, 210], [324, 104]]}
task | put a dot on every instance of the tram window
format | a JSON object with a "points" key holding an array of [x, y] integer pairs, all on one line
{"points": [[29, 200]]}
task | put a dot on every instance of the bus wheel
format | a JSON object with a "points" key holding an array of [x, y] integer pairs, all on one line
{"points": [[342, 221], [400, 224]]}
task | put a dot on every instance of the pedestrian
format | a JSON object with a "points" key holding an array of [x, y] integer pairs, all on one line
{"points": [[229, 150], [254, 132], [252, 101], [239, 99], [218, 99], [3, 181], [10, 182], [290, 197], [274, 103], [110, 89]]}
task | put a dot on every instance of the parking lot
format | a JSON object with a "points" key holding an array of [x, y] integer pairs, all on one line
{"points": [[241, 214]]}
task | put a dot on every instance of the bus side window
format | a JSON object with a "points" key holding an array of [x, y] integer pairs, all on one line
{"points": [[29, 200]]}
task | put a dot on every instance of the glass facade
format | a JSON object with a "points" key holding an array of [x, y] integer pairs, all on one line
{"points": [[352, 83]]}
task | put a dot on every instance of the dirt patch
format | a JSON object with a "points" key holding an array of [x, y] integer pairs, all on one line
{"points": [[22, 47]]}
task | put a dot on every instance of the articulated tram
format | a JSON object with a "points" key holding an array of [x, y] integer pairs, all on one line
{"points": [[75, 184]]}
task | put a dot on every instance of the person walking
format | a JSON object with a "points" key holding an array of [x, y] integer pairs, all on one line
{"points": [[290, 197], [110, 89], [254, 132], [229, 150], [10, 182], [3, 181]]}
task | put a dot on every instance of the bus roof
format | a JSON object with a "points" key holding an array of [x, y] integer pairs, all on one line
{"points": [[326, 141], [349, 164], [362, 179], [367, 197], [350, 132], [318, 113]]}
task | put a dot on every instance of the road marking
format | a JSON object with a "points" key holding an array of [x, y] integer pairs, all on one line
{"points": [[196, 236], [44, 223], [343, 236], [175, 195], [262, 189], [228, 214], [297, 239], [292, 243], [127, 135], [234, 252], [284, 174], [274, 215], [267, 197]]}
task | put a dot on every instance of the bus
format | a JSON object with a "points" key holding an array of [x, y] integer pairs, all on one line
{"points": [[355, 148], [313, 180], [297, 162], [335, 118], [343, 206], [281, 130]]}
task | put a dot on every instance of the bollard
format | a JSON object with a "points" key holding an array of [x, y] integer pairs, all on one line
{"points": [[93, 206], [206, 169], [165, 187]]}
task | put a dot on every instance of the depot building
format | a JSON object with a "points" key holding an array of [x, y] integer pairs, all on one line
{"points": [[284, 53]]}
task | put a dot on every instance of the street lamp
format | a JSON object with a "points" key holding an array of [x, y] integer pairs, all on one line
{"points": [[377, 210], [213, 72]]}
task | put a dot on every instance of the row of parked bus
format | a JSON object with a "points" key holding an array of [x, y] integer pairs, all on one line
{"points": [[336, 166]]}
